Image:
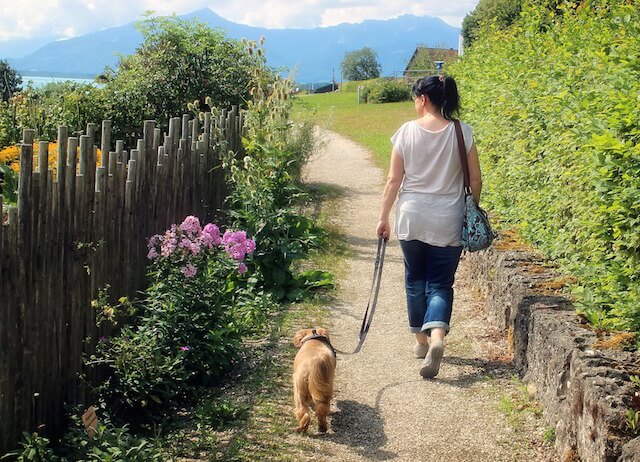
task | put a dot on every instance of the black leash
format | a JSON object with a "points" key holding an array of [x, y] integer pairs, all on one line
{"points": [[373, 295]]}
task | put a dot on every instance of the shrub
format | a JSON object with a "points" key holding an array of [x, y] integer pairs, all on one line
{"points": [[109, 443], [265, 192], [553, 101], [179, 61], [387, 91], [195, 313]]}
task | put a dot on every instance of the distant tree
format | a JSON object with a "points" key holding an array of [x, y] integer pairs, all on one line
{"points": [[502, 12], [178, 62], [360, 65], [10, 81]]}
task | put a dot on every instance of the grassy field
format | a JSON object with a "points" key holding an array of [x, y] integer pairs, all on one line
{"points": [[369, 125]]}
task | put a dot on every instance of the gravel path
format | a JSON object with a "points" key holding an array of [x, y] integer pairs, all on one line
{"points": [[383, 409]]}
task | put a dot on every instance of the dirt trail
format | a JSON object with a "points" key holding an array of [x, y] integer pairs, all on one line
{"points": [[384, 410]]}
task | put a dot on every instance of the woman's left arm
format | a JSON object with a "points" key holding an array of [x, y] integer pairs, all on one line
{"points": [[475, 176]]}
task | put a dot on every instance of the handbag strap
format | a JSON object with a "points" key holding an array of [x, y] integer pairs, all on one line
{"points": [[463, 156]]}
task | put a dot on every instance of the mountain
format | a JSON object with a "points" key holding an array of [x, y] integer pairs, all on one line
{"points": [[315, 53], [15, 48]]}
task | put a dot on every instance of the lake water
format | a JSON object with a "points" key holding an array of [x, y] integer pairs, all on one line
{"points": [[39, 81]]}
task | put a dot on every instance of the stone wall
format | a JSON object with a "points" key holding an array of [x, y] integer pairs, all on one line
{"points": [[586, 392]]}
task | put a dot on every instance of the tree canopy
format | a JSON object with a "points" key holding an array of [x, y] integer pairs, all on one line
{"points": [[178, 62], [360, 65], [10, 81], [502, 12]]}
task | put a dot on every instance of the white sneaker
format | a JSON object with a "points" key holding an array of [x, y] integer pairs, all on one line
{"points": [[431, 364], [420, 350]]}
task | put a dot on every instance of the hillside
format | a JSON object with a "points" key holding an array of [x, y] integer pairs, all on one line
{"points": [[316, 53]]}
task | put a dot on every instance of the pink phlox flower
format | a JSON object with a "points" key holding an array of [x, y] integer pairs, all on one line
{"points": [[153, 253], [185, 348], [195, 247], [250, 245], [169, 246], [102, 339], [237, 245], [234, 236], [189, 270], [154, 241], [242, 268], [191, 225], [190, 245], [211, 235], [237, 252]]}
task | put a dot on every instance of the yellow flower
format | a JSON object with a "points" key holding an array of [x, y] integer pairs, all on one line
{"points": [[11, 156]]}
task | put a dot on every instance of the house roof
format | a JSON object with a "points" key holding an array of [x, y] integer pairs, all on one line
{"points": [[426, 54]]}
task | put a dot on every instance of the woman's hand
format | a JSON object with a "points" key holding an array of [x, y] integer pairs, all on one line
{"points": [[384, 229]]}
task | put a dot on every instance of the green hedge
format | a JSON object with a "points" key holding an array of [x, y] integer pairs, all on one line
{"points": [[385, 91], [554, 101]]}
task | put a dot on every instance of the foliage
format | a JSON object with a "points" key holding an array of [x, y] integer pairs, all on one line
{"points": [[549, 435], [109, 444], [9, 131], [10, 166], [360, 64], [34, 448], [501, 13], [386, 91], [8, 184], [553, 101], [194, 315], [44, 109], [10, 81], [219, 414], [179, 61], [265, 190]]}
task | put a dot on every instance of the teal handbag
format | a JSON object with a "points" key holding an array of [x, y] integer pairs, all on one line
{"points": [[476, 229]]}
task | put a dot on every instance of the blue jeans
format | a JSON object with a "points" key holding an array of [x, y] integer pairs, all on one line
{"points": [[429, 276]]}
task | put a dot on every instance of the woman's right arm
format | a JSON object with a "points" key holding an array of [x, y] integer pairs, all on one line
{"points": [[391, 188], [475, 176]]}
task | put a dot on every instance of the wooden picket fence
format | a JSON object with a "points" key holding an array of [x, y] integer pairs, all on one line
{"points": [[84, 228]]}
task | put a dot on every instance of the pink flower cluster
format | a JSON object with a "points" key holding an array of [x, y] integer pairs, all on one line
{"points": [[190, 239], [237, 246]]}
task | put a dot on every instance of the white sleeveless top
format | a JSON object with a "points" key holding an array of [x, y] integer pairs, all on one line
{"points": [[431, 199]]}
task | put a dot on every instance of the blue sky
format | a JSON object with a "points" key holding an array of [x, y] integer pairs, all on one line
{"points": [[58, 19]]}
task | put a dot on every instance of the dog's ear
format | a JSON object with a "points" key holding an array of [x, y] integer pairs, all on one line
{"points": [[297, 339], [322, 331]]}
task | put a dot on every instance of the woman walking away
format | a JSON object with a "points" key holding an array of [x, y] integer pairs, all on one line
{"points": [[425, 169]]}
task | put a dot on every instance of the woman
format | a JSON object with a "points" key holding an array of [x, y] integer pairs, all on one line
{"points": [[425, 169]]}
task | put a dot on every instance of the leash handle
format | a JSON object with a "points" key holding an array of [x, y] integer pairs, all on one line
{"points": [[373, 294]]}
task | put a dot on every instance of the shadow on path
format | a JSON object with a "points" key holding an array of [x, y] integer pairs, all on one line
{"points": [[482, 370], [360, 427]]}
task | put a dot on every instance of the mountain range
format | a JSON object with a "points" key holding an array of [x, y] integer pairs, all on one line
{"points": [[314, 54]]}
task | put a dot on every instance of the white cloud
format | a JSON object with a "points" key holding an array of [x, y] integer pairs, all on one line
{"points": [[65, 18]]}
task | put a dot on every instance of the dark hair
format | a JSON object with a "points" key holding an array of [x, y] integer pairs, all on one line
{"points": [[442, 92]]}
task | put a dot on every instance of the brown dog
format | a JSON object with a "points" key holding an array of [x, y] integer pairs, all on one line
{"points": [[313, 371]]}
